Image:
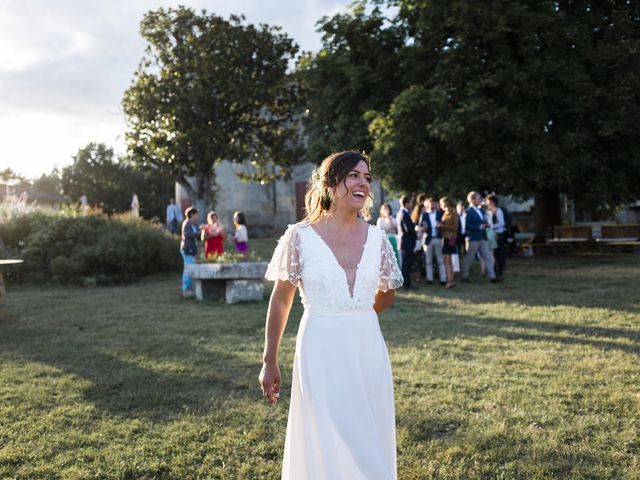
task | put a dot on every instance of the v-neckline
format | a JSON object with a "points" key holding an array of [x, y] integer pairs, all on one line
{"points": [[350, 288]]}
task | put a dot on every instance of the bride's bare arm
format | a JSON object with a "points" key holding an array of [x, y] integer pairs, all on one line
{"points": [[383, 300], [277, 314]]}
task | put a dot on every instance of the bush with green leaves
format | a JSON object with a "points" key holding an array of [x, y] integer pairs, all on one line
{"points": [[69, 247]]}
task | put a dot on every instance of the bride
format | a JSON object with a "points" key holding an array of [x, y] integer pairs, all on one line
{"points": [[341, 419]]}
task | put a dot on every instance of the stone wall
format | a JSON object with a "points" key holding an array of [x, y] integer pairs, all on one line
{"points": [[269, 208]]}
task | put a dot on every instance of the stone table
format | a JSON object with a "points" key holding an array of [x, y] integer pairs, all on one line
{"points": [[235, 282], [3, 292]]}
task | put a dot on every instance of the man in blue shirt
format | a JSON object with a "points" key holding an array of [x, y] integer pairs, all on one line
{"points": [[476, 229], [407, 234], [189, 247]]}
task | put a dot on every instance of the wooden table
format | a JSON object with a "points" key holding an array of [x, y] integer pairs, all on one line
{"points": [[3, 292]]}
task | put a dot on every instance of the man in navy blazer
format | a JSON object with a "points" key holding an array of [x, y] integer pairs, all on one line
{"points": [[476, 229], [407, 234], [432, 244]]}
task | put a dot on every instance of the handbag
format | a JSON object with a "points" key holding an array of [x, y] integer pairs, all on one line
{"points": [[491, 238], [453, 241]]}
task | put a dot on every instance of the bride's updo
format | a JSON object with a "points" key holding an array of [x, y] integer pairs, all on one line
{"points": [[334, 169]]}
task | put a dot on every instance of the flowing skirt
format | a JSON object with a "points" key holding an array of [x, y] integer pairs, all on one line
{"points": [[341, 420]]}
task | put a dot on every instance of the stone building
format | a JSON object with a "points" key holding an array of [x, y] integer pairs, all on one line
{"points": [[269, 207], [32, 196]]}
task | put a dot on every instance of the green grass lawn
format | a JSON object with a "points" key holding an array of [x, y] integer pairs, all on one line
{"points": [[535, 378]]}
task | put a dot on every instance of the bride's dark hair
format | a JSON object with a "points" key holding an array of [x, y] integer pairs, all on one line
{"points": [[334, 169]]}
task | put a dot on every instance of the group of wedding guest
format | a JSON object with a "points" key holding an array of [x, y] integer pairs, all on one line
{"points": [[441, 231], [212, 235]]}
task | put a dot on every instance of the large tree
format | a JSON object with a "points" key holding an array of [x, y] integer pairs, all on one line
{"points": [[50, 183], [110, 183], [357, 70], [95, 173], [530, 98], [210, 89], [9, 175]]}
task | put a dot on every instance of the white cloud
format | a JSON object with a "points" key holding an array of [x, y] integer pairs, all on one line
{"points": [[42, 140], [64, 65]]}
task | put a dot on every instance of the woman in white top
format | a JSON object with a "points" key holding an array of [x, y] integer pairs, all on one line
{"points": [[241, 237], [387, 223], [341, 417]]}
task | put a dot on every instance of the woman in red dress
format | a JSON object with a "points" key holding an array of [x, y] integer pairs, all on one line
{"points": [[213, 235]]}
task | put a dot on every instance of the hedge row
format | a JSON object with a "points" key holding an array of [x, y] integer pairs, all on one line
{"points": [[69, 248]]}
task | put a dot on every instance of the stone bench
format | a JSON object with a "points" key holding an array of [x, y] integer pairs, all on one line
{"points": [[233, 282], [3, 292]]}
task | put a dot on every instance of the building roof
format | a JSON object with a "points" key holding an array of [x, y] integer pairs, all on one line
{"points": [[33, 194]]}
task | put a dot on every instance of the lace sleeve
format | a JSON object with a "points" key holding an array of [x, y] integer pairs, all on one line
{"points": [[390, 275], [285, 263]]}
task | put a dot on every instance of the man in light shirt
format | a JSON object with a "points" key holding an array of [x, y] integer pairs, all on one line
{"points": [[500, 227], [432, 245], [174, 217], [476, 229]]}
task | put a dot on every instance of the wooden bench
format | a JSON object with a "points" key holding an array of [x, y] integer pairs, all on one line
{"points": [[572, 232], [549, 248], [623, 238], [577, 237], [619, 247], [566, 239], [625, 231]]}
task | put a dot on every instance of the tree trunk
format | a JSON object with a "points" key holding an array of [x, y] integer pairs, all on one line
{"points": [[200, 190], [204, 200], [547, 214]]}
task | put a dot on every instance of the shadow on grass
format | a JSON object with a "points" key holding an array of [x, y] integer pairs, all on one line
{"points": [[441, 324], [139, 346], [575, 281], [587, 281], [606, 283], [423, 429], [143, 352], [124, 388]]}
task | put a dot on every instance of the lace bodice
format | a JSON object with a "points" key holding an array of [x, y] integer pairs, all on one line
{"points": [[304, 259]]}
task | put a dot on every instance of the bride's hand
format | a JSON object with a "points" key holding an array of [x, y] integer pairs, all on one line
{"points": [[269, 379]]}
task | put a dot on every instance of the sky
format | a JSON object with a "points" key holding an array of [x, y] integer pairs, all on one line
{"points": [[64, 65]]}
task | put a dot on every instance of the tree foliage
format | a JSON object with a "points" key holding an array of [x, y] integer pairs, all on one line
{"points": [[8, 175], [210, 89], [527, 98], [356, 71], [530, 98], [109, 184], [50, 183]]}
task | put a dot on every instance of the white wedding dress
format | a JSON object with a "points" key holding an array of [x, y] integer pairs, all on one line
{"points": [[341, 420]]}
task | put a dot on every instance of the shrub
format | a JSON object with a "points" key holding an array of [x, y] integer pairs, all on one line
{"points": [[65, 267], [67, 247]]}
